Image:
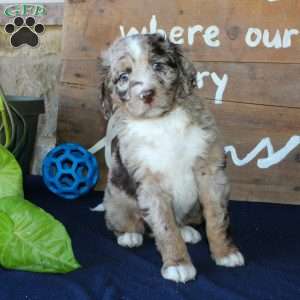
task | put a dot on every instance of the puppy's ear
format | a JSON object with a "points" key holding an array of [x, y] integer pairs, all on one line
{"points": [[187, 74], [104, 92]]}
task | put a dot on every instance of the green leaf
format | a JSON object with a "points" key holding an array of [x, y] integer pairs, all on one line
{"points": [[32, 240], [11, 182]]}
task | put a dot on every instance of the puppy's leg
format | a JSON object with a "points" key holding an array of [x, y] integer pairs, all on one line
{"points": [[188, 233], [158, 213], [123, 216], [213, 192]]}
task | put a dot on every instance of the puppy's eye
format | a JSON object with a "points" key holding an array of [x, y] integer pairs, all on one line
{"points": [[158, 66], [123, 78]]}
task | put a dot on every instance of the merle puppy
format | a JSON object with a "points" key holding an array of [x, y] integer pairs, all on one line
{"points": [[168, 159]]}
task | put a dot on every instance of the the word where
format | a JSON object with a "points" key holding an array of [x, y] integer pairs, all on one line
{"points": [[176, 34]]}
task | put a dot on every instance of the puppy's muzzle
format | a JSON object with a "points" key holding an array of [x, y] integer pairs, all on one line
{"points": [[147, 95]]}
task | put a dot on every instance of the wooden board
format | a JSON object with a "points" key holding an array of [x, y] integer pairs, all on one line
{"points": [[260, 102], [80, 120], [275, 84], [95, 24], [80, 116], [244, 126]]}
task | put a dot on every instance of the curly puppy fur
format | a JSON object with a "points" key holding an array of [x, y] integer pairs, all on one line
{"points": [[168, 159]]}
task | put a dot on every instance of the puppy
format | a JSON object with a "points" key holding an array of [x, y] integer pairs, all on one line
{"points": [[168, 161]]}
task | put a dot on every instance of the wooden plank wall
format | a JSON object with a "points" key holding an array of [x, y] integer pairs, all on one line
{"points": [[260, 102]]}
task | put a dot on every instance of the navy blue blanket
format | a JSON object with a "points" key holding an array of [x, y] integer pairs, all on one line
{"points": [[267, 234]]}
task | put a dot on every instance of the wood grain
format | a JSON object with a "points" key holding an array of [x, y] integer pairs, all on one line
{"points": [[79, 115], [95, 24], [265, 193], [275, 84], [81, 121], [243, 126]]}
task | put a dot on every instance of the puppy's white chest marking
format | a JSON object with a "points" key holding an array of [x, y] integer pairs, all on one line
{"points": [[169, 146]]}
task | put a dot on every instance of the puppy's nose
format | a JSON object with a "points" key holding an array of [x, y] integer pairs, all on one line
{"points": [[147, 95]]}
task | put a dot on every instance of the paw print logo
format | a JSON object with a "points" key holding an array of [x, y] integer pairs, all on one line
{"points": [[24, 32]]}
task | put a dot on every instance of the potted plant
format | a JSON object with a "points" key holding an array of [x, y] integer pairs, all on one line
{"points": [[18, 125]]}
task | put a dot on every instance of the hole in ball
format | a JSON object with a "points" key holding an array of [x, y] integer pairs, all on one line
{"points": [[66, 181], [66, 164], [82, 170], [77, 153], [53, 170], [58, 153]]}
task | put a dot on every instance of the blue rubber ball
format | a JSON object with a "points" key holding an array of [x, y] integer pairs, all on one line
{"points": [[70, 171]]}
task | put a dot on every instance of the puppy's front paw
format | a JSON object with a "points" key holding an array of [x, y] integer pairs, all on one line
{"points": [[130, 239], [180, 273], [235, 259], [190, 235]]}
